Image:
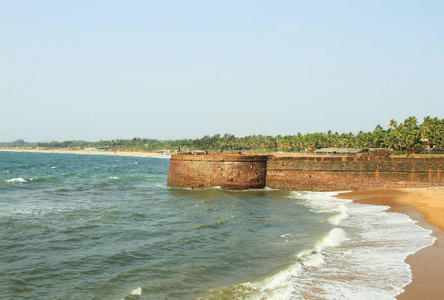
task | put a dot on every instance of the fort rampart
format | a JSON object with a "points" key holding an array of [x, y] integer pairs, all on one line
{"points": [[308, 173], [227, 171]]}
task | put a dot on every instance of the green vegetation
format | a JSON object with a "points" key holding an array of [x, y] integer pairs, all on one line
{"points": [[405, 137]]}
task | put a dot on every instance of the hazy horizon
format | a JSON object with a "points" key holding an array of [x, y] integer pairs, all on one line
{"points": [[179, 70]]}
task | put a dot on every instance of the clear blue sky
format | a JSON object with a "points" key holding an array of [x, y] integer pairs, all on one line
{"points": [[96, 70]]}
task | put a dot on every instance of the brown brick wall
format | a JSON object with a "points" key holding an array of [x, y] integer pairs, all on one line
{"points": [[227, 171], [338, 173], [309, 173]]}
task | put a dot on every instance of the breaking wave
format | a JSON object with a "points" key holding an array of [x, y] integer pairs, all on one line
{"points": [[340, 263]]}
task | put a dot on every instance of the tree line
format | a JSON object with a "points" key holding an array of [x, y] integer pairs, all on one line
{"points": [[408, 136]]}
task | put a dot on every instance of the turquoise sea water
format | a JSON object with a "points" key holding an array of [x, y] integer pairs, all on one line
{"points": [[107, 227]]}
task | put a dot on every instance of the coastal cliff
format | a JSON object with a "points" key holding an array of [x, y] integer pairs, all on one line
{"points": [[308, 173]]}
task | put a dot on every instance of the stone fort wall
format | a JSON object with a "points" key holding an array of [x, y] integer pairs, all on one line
{"points": [[308, 173], [227, 171]]}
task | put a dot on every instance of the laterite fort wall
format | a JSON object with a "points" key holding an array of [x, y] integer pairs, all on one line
{"points": [[338, 173], [234, 172], [308, 173]]}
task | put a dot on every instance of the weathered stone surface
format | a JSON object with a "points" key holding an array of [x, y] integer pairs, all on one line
{"points": [[323, 173], [380, 152], [227, 171]]}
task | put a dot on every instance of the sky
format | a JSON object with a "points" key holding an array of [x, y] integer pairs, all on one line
{"points": [[103, 70]]}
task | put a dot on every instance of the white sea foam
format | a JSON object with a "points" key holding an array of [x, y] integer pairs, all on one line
{"points": [[333, 239], [136, 291], [253, 190], [324, 203], [280, 285], [276, 287], [159, 156], [286, 236], [17, 180], [24, 211], [213, 187], [159, 185], [362, 257]]}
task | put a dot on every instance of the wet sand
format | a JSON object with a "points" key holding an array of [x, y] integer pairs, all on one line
{"points": [[425, 205]]}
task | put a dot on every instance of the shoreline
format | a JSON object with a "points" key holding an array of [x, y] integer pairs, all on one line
{"points": [[426, 206], [92, 152]]}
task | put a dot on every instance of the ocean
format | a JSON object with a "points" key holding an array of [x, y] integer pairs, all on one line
{"points": [[107, 227]]}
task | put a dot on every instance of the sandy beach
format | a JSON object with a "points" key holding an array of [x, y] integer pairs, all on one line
{"points": [[94, 152], [426, 206]]}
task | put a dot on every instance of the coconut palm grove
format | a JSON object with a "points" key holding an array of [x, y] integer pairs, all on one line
{"points": [[408, 136]]}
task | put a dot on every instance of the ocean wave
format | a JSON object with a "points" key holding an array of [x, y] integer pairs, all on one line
{"points": [[276, 287], [333, 239], [38, 179], [324, 202], [136, 291], [16, 180], [23, 211], [215, 224], [265, 189], [161, 157], [340, 263], [45, 178], [227, 190], [353, 251], [153, 185], [286, 236], [280, 285]]}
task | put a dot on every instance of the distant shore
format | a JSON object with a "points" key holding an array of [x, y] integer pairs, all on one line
{"points": [[94, 152], [425, 205]]}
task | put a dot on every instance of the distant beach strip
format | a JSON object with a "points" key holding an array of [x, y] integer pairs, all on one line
{"points": [[93, 152]]}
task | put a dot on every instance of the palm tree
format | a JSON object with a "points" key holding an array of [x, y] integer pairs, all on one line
{"points": [[393, 124], [411, 133], [425, 129]]}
